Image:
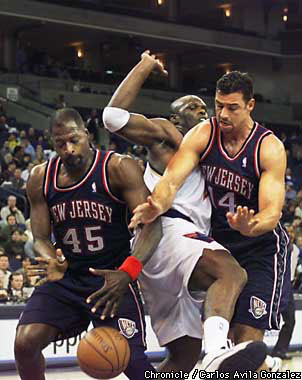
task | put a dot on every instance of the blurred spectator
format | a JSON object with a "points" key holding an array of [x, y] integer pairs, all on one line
{"points": [[9, 173], [15, 288], [28, 147], [1, 175], [40, 157], [298, 210], [3, 291], [28, 281], [290, 191], [19, 156], [14, 248], [3, 124], [26, 172], [29, 245], [8, 227], [11, 208], [5, 148], [60, 102], [13, 141], [93, 125], [18, 182], [32, 135], [288, 212], [4, 268]]}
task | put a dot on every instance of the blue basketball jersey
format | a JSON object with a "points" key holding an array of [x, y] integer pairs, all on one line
{"points": [[234, 181], [89, 222]]}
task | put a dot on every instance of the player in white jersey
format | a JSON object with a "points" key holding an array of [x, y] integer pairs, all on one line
{"points": [[186, 260]]}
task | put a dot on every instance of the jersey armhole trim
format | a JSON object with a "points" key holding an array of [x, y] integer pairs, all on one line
{"points": [[257, 153], [105, 178], [46, 179], [211, 140]]}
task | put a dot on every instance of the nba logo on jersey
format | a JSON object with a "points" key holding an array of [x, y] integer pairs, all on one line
{"points": [[93, 186], [127, 327], [244, 162], [257, 307]]}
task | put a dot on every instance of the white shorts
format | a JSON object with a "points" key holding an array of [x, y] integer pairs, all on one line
{"points": [[174, 311]]}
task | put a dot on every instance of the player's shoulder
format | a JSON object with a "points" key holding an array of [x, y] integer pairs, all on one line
{"points": [[122, 163], [38, 171], [271, 144]]}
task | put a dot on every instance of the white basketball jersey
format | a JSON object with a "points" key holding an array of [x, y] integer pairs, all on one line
{"points": [[190, 200]]}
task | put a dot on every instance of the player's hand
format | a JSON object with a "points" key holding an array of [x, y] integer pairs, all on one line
{"points": [[145, 213], [48, 269], [243, 220], [157, 63], [110, 295]]}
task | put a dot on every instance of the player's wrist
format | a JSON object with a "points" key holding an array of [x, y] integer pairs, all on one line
{"points": [[132, 266]]}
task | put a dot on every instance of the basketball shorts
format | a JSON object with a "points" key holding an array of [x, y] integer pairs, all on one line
{"points": [[266, 293], [175, 311], [62, 304]]}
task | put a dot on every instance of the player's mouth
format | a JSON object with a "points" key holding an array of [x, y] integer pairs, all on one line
{"points": [[225, 124]]}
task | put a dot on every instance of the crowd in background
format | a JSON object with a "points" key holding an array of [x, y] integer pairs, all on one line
{"points": [[23, 147]]}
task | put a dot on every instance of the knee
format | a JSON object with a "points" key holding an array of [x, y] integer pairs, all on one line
{"points": [[228, 267], [26, 343]]}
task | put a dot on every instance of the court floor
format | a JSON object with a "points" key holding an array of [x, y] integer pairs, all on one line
{"points": [[294, 365]]}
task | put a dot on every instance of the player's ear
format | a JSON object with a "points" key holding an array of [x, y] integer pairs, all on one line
{"points": [[86, 131], [251, 104]]}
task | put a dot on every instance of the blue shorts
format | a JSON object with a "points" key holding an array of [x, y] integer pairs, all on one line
{"points": [[266, 293], [62, 304]]}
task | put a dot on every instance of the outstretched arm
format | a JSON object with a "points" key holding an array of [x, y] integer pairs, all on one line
{"points": [[134, 127], [271, 192], [178, 169]]}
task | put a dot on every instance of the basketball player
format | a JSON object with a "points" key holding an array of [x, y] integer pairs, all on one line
{"points": [[83, 194], [186, 259], [244, 166]]}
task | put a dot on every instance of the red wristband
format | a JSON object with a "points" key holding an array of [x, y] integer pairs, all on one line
{"points": [[132, 266]]}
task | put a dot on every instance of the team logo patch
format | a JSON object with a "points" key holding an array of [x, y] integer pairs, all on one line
{"points": [[199, 236], [257, 307], [127, 327]]}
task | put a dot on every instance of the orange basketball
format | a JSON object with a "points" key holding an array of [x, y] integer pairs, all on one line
{"points": [[103, 353]]}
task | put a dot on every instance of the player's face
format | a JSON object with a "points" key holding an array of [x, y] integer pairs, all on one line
{"points": [[194, 111], [72, 145], [232, 111]]}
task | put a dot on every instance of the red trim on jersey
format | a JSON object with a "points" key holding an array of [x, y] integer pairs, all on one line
{"points": [[47, 178], [241, 150], [211, 139], [256, 161], [77, 185], [104, 177]]}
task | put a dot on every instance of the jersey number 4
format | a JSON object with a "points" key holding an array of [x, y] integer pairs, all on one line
{"points": [[94, 240], [227, 201]]}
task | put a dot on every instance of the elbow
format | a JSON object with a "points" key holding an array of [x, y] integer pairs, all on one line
{"points": [[115, 118]]}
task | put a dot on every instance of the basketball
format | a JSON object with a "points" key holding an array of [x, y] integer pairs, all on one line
{"points": [[103, 353]]}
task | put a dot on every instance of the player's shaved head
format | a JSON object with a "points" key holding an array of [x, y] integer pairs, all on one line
{"points": [[179, 104], [65, 115]]}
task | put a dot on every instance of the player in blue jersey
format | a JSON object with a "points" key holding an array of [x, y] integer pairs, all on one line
{"points": [[244, 166], [186, 258], [83, 196]]}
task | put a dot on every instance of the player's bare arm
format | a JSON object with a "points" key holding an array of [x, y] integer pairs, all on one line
{"points": [[49, 267], [127, 91], [139, 129], [271, 192], [180, 166], [126, 180]]}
